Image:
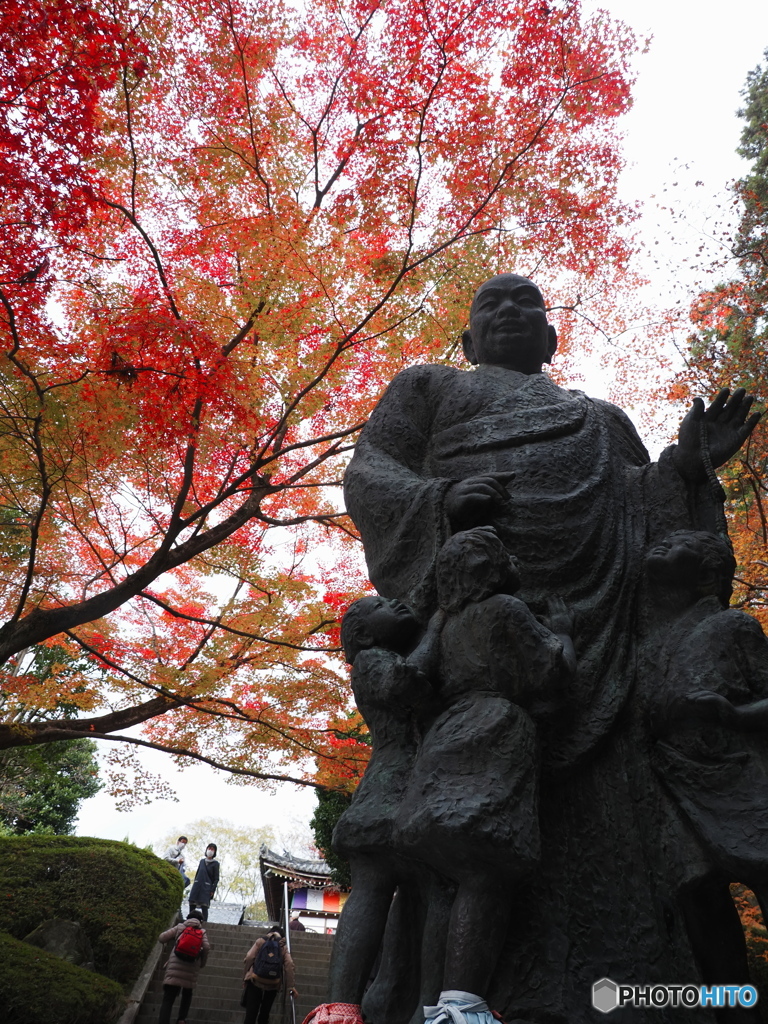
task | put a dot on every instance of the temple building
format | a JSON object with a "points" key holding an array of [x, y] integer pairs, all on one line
{"points": [[310, 890]]}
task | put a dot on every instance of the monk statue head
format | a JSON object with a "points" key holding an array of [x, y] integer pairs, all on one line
{"points": [[508, 325]]}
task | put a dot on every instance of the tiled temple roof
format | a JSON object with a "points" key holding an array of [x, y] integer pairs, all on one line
{"points": [[313, 872]]}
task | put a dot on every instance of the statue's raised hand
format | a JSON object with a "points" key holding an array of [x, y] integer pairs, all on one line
{"points": [[726, 425]]}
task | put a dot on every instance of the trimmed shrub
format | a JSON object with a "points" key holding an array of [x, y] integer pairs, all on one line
{"points": [[121, 895], [37, 988]]}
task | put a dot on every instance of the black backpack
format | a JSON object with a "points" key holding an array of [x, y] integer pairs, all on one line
{"points": [[269, 960]]}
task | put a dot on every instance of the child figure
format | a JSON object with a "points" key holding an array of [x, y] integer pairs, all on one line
{"points": [[707, 697], [471, 808], [384, 644]]}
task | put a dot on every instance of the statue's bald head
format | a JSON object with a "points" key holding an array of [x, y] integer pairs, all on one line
{"points": [[508, 325], [501, 281]]}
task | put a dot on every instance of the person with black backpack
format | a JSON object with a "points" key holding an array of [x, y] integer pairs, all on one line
{"points": [[268, 966], [188, 956]]}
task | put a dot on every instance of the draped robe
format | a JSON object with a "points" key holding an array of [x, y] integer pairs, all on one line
{"points": [[583, 503]]}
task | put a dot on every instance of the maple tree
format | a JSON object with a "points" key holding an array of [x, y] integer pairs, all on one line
{"points": [[225, 228], [751, 916], [729, 344]]}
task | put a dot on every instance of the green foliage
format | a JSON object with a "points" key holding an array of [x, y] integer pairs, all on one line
{"points": [[257, 911], [728, 348], [39, 988], [331, 804], [41, 788], [121, 895], [754, 137]]}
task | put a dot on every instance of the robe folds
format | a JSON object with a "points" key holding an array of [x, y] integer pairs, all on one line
{"points": [[583, 502]]}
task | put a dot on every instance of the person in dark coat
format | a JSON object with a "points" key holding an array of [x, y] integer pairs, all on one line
{"points": [[206, 880], [259, 992], [181, 975]]}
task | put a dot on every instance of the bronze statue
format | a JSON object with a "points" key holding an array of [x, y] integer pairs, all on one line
{"points": [[570, 491]]}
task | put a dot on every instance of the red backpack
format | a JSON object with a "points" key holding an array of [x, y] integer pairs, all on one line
{"points": [[189, 944]]}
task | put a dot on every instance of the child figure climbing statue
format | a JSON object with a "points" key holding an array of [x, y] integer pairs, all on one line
{"points": [[390, 658], [471, 808]]}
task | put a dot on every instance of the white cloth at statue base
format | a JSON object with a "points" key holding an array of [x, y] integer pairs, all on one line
{"points": [[456, 1007]]}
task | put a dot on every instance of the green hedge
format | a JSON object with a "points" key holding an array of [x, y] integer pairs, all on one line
{"points": [[331, 804], [121, 895], [39, 988]]}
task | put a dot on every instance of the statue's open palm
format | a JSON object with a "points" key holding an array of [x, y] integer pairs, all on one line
{"points": [[727, 424]]}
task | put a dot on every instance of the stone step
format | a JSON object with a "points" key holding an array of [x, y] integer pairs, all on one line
{"points": [[207, 1011], [218, 987], [224, 949], [216, 999], [236, 978]]}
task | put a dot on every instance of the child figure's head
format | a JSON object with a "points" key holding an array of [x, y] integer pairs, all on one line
{"points": [[694, 561], [377, 622], [471, 566]]}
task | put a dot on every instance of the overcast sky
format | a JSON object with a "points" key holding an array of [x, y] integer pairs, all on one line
{"points": [[683, 129], [689, 82], [682, 132]]}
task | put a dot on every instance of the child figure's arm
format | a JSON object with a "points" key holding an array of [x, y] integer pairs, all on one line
{"points": [[710, 706], [425, 657]]}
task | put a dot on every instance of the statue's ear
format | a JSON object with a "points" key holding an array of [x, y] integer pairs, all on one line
{"points": [[366, 639], [552, 346], [469, 348], [707, 580]]}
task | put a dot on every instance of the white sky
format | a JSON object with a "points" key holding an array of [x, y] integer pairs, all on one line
{"points": [[682, 132], [683, 128], [202, 793]]}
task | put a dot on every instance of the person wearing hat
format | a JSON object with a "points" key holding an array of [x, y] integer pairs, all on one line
{"points": [[295, 924]]}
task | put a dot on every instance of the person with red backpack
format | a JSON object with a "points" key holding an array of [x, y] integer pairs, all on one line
{"points": [[188, 956], [268, 966]]}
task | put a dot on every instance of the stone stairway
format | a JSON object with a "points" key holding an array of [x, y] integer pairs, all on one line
{"points": [[312, 955], [217, 995]]}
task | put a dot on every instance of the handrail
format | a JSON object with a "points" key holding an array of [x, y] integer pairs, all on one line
{"points": [[287, 929], [286, 918]]}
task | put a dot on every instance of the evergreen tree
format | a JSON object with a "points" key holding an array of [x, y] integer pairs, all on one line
{"points": [[42, 787], [331, 804], [729, 346]]}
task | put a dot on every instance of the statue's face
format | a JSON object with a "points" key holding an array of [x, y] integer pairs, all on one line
{"points": [[508, 325], [676, 561], [391, 624]]}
